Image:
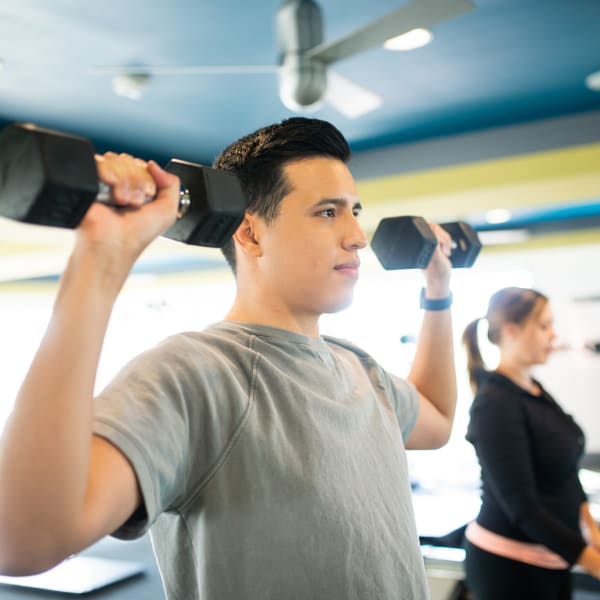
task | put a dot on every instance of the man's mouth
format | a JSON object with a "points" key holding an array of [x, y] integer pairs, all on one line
{"points": [[349, 268]]}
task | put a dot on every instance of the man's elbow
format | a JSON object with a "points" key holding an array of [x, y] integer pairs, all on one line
{"points": [[432, 438], [441, 438], [16, 563], [27, 553], [442, 429]]}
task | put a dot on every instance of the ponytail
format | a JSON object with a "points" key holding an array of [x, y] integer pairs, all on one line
{"points": [[474, 358], [507, 305]]}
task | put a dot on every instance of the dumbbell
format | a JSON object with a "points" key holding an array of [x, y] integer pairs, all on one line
{"points": [[49, 178], [408, 242]]}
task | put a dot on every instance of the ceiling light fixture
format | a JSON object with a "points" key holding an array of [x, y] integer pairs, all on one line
{"points": [[498, 215], [130, 85], [415, 38], [592, 81]]}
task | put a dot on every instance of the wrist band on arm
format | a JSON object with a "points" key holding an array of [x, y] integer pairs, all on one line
{"points": [[435, 303]]}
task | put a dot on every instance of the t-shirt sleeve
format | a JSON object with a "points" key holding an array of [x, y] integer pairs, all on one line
{"points": [[143, 413], [405, 401], [166, 414], [400, 392]]}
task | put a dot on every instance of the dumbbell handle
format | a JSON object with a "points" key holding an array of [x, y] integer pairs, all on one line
{"points": [[105, 197]]}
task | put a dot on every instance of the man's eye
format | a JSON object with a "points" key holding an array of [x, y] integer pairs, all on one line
{"points": [[328, 212]]}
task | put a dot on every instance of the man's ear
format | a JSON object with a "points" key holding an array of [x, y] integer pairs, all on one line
{"points": [[247, 237]]}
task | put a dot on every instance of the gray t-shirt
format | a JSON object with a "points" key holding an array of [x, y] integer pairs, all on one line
{"points": [[272, 466]]}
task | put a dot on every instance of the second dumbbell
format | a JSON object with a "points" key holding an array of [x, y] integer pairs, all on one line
{"points": [[408, 242]]}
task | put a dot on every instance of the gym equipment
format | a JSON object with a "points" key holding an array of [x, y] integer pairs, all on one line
{"points": [[408, 242], [49, 178]]}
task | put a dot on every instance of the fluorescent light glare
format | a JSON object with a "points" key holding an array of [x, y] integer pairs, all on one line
{"points": [[503, 237], [415, 38], [498, 215], [592, 81]]}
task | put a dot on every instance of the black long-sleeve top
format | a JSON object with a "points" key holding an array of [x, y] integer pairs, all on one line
{"points": [[528, 450]]}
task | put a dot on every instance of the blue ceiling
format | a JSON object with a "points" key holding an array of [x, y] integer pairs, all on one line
{"points": [[507, 61]]}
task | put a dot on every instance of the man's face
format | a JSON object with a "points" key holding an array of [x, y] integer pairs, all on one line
{"points": [[310, 251]]}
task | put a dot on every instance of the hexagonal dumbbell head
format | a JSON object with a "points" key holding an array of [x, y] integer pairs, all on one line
{"points": [[465, 243], [46, 177], [405, 242], [217, 204]]}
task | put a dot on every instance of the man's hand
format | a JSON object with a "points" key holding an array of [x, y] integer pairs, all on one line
{"points": [[437, 273], [145, 199]]}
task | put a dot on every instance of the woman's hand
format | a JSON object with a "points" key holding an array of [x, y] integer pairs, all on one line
{"points": [[589, 560], [589, 526]]}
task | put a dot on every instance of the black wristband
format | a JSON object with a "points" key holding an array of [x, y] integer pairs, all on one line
{"points": [[435, 304]]}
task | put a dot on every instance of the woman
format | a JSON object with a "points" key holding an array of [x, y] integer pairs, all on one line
{"points": [[534, 512]]}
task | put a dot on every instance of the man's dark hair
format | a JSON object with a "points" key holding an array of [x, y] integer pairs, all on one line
{"points": [[258, 160]]}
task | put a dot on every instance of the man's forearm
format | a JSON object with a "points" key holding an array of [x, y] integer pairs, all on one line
{"points": [[433, 370]]}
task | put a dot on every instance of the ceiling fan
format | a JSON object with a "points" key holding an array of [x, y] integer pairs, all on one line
{"points": [[305, 79]]}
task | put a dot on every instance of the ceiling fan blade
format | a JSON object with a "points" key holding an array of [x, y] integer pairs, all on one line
{"points": [[418, 13], [182, 69], [349, 98]]}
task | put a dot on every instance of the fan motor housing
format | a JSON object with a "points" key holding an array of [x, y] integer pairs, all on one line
{"points": [[302, 82], [299, 25]]}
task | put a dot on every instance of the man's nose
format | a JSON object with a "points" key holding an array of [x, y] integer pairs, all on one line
{"points": [[355, 237]]}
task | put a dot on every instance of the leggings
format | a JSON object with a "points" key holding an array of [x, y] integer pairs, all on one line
{"points": [[493, 577]]}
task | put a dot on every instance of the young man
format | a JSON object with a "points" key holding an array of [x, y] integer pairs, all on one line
{"points": [[268, 459]]}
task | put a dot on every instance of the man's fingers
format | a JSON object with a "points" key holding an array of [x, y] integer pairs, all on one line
{"points": [[129, 179], [445, 241], [168, 184], [162, 178]]}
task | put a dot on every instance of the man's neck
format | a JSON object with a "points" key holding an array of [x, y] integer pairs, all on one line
{"points": [[270, 316]]}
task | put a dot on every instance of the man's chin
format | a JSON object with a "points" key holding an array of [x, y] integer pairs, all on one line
{"points": [[339, 305]]}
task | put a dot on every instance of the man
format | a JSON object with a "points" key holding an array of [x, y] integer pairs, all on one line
{"points": [[269, 460]]}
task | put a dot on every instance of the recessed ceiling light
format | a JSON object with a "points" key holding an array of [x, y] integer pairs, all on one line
{"points": [[130, 85], [415, 38], [592, 81], [1, 65]]}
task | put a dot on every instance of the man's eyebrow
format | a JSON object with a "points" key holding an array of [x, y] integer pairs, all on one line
{"points": [[341, 202]]}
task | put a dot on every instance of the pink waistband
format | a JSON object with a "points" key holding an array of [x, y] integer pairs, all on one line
{"points": [[532, 554]]}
